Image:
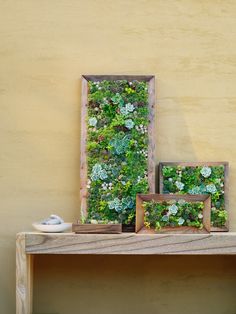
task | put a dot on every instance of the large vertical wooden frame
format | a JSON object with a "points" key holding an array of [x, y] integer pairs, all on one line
{"points": [[201, 163], [150, 79]]}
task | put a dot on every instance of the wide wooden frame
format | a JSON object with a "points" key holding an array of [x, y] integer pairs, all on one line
{"points": [[140, 198], [195, 164], [150, 79]]}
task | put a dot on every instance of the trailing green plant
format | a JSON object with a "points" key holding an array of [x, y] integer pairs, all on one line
{"points": [[198, 180], [117, 145], [173, 214]]}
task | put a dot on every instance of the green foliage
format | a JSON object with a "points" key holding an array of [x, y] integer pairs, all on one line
{"points": [[117, 146], [199, 180], [173, 214]]}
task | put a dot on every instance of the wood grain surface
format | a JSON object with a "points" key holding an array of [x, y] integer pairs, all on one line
{"points": [[24, 277], [97, 228], [131, 244]]}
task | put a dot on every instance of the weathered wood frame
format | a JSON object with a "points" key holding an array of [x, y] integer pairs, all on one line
{"points": [[140, 198], [150, 79], [97, 228], [207, 164]]}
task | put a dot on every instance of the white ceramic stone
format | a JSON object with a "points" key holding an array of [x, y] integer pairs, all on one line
{"points": [[52, 220], [52, 228]]}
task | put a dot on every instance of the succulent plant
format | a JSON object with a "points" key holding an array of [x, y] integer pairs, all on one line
{"points": [[129, 124], [205, 172], [120, 144], [93, 121], [98, 173]]}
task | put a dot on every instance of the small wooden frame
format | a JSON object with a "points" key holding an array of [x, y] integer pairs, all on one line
{"points": [[196, 164], [97, 228], [140, 198], [150, 79]]}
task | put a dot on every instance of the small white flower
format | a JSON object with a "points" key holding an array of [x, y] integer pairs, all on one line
{"points": [[200, 216], [170, 179]]}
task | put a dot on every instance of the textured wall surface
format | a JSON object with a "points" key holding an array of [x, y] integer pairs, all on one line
{"points": [[45, 46]]}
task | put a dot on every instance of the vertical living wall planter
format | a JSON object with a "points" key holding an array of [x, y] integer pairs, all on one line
{"points": [[117, 149]]}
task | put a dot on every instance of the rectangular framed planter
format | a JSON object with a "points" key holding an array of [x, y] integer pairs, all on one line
{"points": [[223, 190], [140, 212], [85, 175]]}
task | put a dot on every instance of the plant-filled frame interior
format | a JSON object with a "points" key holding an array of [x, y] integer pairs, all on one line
{"points": [[199, 179], [117, 149], [173, 213]]}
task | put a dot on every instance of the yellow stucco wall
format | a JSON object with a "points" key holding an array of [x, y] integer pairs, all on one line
{"points": [[45, 46]]}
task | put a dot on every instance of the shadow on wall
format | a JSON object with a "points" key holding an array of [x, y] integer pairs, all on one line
{"points": [[141, 284], [173, 139]]}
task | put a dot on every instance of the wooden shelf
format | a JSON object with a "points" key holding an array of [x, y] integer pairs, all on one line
{"points": [[223, 243], [30, 243]]}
